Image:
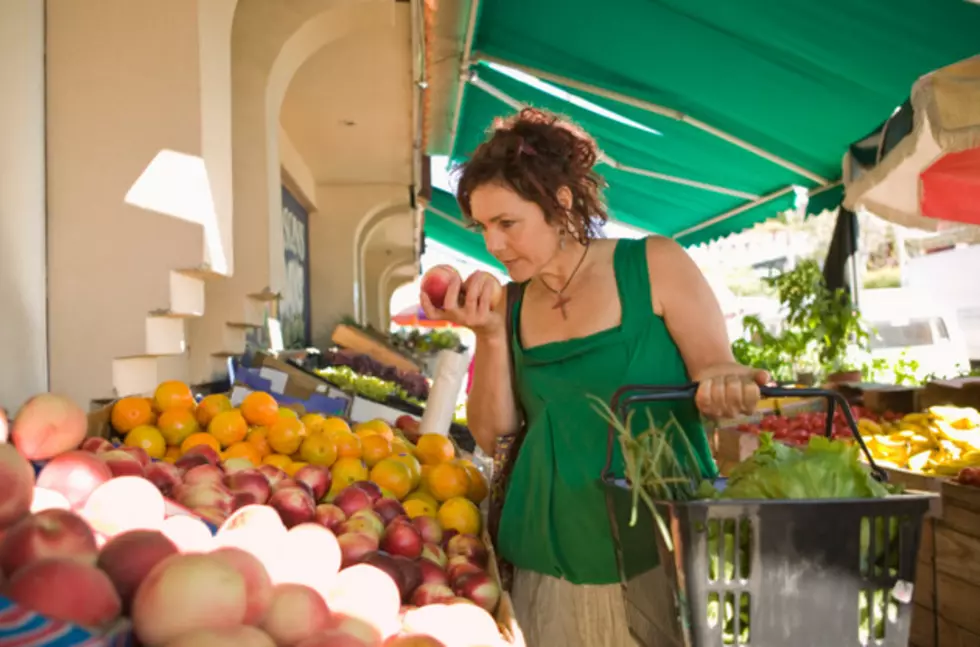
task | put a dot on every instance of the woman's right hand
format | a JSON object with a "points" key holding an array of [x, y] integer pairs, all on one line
{"points": [[481, 309]]}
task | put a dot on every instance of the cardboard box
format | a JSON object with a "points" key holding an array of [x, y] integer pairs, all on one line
{"points": [[289, 384]]}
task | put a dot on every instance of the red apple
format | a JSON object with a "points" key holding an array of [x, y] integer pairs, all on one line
{"points": [[163, 475], [138, 453], [317, 477], [370, 487], [430, 528], [479, 588], [432, 594], [435, 554], [273, 474], [122, 463], [389, 509], [248, 486], [351, 499], [402, 538], [295, 505], [95, 445], [47, 534], [468, 546], [330, 516], [432, 573], [355, 546], [435, 283], [204, 474]]}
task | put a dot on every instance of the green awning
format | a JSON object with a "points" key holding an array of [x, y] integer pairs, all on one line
{"points": [[444, 224], [781, 89]]}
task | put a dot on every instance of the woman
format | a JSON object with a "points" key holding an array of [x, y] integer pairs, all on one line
{"points": [[592, 314]]}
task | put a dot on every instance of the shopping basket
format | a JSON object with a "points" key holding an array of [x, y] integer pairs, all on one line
{"points": [[761, 573]]}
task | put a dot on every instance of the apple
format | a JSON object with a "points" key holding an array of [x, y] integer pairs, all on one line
{"points": [[249, 486], [479, 588], [389, 509], [432, 594], [355, 546], [317, 477], [47, 534], [352, 498], [294, 504], [163, 475], [430, 528], [402, 538], [330, 516], [432, 573], [435, 554], [468, 546], [435, 283]]}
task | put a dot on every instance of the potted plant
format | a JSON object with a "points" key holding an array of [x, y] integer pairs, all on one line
{"points": [[843, 337]]}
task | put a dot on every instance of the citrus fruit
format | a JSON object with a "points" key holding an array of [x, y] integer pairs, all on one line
{"points": [[200, 438], [260, 408], [318, 449], [176, 425], [394, 476], [461, 515], [374, 448], [130, 413], [313, 422], [285, 435], [173, 453], [378, 426], [348, 445], [244, 450], [424, 497], [259, 436], [149, 438], [294, 467], [433, 449], [413, 466], [287, 413], [277, 460], [401, 446], [211, 406], [229, 427], [334, 424], [346, 471], [447, 481], [419, 508], [173, 395], [478, 489]]}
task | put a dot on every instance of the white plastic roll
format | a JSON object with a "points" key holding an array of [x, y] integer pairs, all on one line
{"points": [[440, 408]]}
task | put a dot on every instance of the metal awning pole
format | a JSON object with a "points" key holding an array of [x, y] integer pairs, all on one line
{"points": [[464, 71], [655, 109]]}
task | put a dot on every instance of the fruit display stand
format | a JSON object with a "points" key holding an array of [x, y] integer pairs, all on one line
{"points": [[349, 337]]}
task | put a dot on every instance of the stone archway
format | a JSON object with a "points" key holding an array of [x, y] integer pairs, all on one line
{"points": [[368, 226]]}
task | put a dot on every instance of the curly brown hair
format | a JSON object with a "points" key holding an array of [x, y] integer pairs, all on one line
{"points": [[536, 153]]}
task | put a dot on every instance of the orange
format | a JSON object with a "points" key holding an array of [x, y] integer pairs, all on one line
{"points": [[260, 408], [394, 476], [277, 460], [259, 436], [294, 467], [419, 508], [433, 449], [211, 406], [346, 471], [424, 497], [130, 413], [173, 395], [149, 438], [413, 466], [478, 489], [229, 427], [374, 448], [176, 425], [296, 408], [334, 424], [318, 450], [461, 515], [287, 413], [285, 435], [200, 438], [313, 422], [348, 445], [245, 450], [173, 453], [401, 446], [378, 426], [447, 481]]}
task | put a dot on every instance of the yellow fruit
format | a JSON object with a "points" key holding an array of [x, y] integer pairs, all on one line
{"points": [[259, 436], [173, 395], [149, 438], [173, 453], [419, 508], [277, 460], [313, 422], [401, 446], [334, 424], [478, 489], [286, 435], [378, 426], [244, 450], [346, 471], [413, 465], [177, 425], [318, 449], [461, 515], [211, 406], [287, 413], [447, 481], [294, 467], [348, 445], [229, 427], [200, 438], [260, 409], [374, 448], [130, 413], [394, 476], [433, 449]]}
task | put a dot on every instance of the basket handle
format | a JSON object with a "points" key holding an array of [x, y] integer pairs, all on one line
{"points": [[631, 394]]}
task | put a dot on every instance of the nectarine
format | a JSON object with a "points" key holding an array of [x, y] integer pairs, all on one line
{"points": [[243, 636], [296, 612], [17, 485], [47, 534], [258, 585], [129, 557], [83, 595], [48, 425]]}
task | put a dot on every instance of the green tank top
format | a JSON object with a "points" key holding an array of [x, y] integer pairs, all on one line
{"points": [[554, 519]]}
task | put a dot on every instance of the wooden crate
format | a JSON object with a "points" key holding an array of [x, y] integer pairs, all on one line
{"points": [[354, 339], [957, 568]]}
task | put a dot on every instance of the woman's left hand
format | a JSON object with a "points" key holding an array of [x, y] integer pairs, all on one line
{"points": [[727, 390]]}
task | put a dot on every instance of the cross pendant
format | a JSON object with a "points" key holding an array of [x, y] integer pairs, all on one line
{"points": [[560, 305]]}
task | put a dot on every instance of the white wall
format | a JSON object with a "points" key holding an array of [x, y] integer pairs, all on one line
{"points": [[23, 285]]}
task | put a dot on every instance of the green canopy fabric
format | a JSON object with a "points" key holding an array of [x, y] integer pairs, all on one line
{"points": [[444, 224], [798, 79]]}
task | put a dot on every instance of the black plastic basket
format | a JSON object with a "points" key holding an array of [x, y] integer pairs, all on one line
{"points": [[766, 573]]}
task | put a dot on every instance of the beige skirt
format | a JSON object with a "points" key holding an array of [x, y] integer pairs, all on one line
{"points": [[552, 612]]}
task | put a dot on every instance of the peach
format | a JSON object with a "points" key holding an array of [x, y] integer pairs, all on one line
{"points": [[129, 557], [273, 474], [188, 533], [435, 283], [355, 546], [251, 483], [370, 488], [17, 485], [243, 636], [84, 595], [296, 612], [288, 483], [256, 529], [211, 515], [330, 516], [96, 445], [122, 463], [75, 475], [294, 504], [371, 518], [48, 425], [47, 534], [124, 503], [342, 624], [432, 593], [208, 453], [258, 585], [189, 461], [459, 566], [430, 528], [204, 474], [389, 509], [205, 495], [479, 588], [164, 476], [432, 573], [351, 499], [402, 538], [368, 594], [186, 593], [233, 465], [45, 499], [310, 555], [317, 477], [468, 546], [138, 453], [435, 554], [453, 624]]}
